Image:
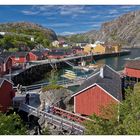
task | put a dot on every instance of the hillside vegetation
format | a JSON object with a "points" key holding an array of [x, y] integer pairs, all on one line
{"points": [[18, 36]]}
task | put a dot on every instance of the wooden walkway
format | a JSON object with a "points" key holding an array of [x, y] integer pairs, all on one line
{"points": [[58, 121], [66, 83]]}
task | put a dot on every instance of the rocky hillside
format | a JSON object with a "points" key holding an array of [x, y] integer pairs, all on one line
{"points": [[125, 29]]}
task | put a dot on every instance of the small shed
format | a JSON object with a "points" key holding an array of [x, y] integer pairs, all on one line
{"points": [[132, 68], [20, 57], [35, 55], [6, 94]]}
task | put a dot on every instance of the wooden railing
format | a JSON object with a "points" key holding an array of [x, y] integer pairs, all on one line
{"points": [[54, 119], [69, 115]]}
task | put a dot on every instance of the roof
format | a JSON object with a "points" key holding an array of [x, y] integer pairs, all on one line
{"points": [[5, 55], [37, 53], [134, 64], [111, 82], [19, 54], [2, 80], [77, 47], [57, 53], [1, 60]]}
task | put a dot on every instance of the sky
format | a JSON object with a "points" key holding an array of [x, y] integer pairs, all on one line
{"points": [[65, 19]]}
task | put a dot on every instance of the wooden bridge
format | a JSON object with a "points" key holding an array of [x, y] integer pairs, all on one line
{"points": [[60, 118]]}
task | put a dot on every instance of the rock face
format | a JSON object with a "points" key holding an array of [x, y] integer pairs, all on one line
{"points": [[58, 97], [125, 29], [28, 28]]}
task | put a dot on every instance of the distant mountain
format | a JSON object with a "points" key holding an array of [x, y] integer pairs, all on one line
{"points": [[125, 30]]}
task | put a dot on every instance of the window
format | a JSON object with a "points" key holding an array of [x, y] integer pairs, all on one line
{"points": [[16, 58]]}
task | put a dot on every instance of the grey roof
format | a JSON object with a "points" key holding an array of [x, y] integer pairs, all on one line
{"points": [[135, 64], [5, 55], [1, 60], [37, 53], [19, 54], [111, 82]]}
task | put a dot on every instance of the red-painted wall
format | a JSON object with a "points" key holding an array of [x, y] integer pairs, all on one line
{"points": [[6, 95], [32, 57], [19, 60], [90, 101], [132, 72], [55, 56]]}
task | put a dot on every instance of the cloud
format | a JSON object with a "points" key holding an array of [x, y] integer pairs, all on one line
{"points": [[27, 12], [95, 25], [72, 33], [111, 16], [67, 33], [95, 16], [72, 9], [113, 11], [127, 7], [47, 10], [59, 25]]}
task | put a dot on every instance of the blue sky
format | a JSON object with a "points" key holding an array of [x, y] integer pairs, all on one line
{"points": [[65, 19]]}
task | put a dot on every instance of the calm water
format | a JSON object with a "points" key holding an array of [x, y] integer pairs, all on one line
{"points": [[118, 62]]}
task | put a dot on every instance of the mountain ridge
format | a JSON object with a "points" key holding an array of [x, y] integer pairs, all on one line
{"points": [[125, 30]]}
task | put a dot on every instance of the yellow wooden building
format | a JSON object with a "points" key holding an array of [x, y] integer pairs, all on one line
{"points": [[116, 47], [101, 48], [88, 48]]}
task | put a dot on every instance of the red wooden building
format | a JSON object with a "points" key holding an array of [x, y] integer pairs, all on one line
{"points": [[35, 55], [6, 94], [56, 54], [97, 91], [77, 50], [20, 57], [132, 69]]}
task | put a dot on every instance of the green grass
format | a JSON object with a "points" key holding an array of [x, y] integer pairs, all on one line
{"points": [[52, 87]]}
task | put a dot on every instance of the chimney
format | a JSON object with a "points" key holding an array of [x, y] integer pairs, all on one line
{"points": [[102, 72]]}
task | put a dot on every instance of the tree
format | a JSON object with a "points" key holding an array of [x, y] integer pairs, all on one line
{"points": [[11, 125], [129, 117], [53, 78]]}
